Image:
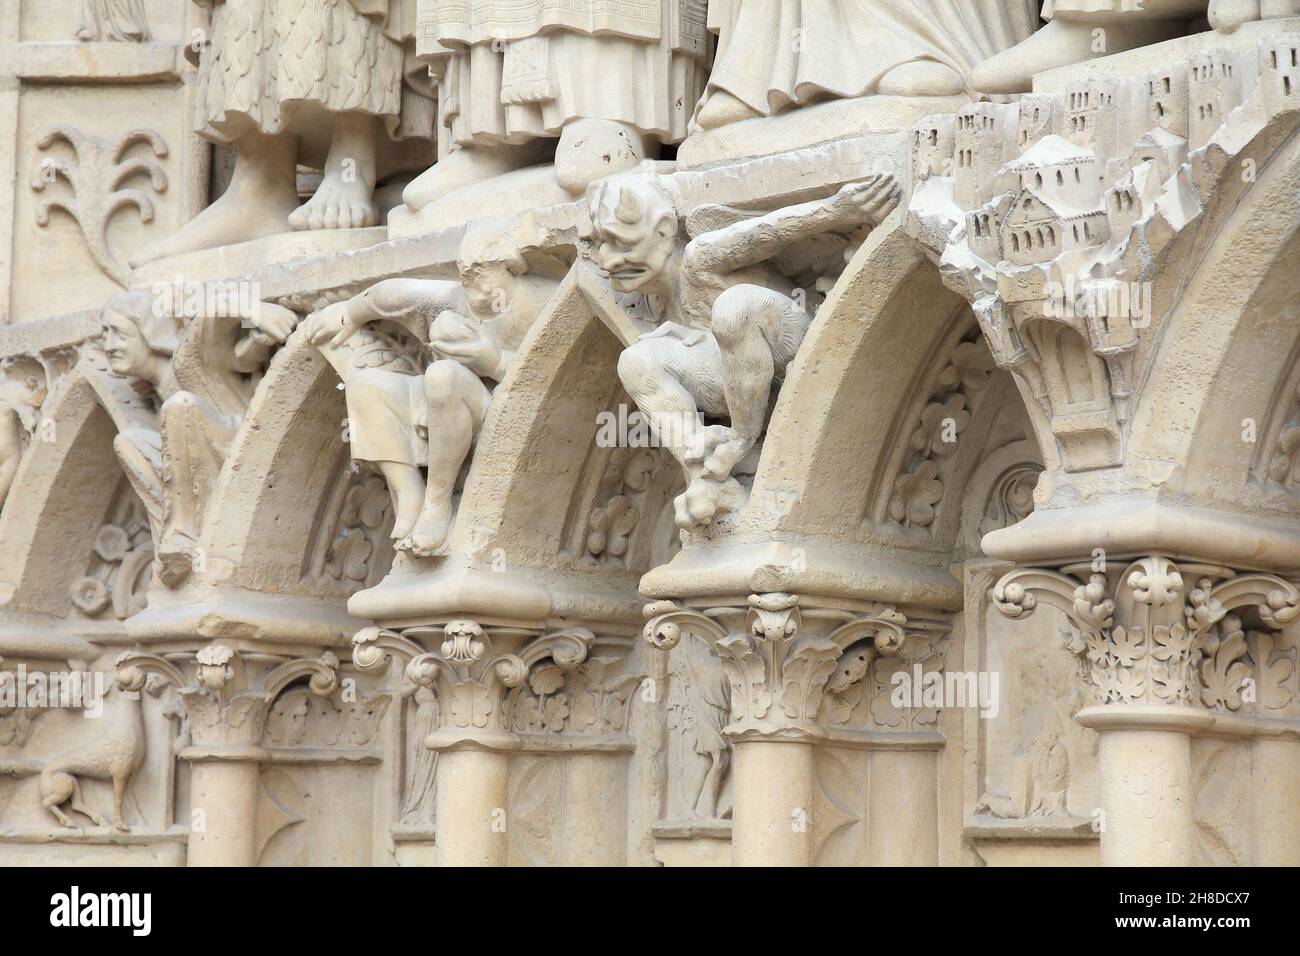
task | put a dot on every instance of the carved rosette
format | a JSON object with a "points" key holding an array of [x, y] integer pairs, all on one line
{"points": [[781, 663], [1157, 633], [228, 700], [472, 673]]}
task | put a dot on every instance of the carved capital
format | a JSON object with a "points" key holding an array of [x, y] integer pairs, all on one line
{"points": [[471, 673], [781, 664], [226, 702], [1154, 632]]}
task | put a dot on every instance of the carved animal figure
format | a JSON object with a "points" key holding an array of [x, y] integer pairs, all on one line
{"points": [[114, 753]]}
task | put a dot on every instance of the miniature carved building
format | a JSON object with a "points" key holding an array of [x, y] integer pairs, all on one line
{"points": [[666, 468]]}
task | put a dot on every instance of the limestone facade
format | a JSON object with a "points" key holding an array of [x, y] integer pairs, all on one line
{"points": [[673, 432]]}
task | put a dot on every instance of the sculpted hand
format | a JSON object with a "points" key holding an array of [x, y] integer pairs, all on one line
{"points": [[273, 321], [870, 200], [324, 324], [467, 342]]}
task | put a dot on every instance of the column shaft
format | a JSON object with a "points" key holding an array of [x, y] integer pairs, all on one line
{"points": [[1275, 791], [1146, 798], [903, 809], [772, 818], [223, 801], [470, 806], [595, 810]]}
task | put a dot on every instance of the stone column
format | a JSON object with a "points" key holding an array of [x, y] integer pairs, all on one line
{"points": [[471, 673], [227, 704], [903, 802], [1275, 792], [595, 809], [1166, 659], [780, 663]]}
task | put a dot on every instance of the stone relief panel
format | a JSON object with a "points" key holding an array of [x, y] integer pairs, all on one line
{"points": [[104, 21], [699, 757], [97, 183], [1034, 761], [116, 581], [78, 767]]}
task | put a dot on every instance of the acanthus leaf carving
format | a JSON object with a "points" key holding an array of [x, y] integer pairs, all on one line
{"points": [[1148, 638]]}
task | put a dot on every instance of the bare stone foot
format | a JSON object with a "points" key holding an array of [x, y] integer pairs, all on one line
{"points": [[721, 109], [429, 538], [232, 218], [1061, 43], [592, 149], [921, 78], [257, 203], [404, 521], [337, 204]]}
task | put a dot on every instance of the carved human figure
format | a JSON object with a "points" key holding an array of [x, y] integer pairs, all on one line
{"points": [[1078, 30], [403, 421], [121, 20], [711, 708], [326, 82], [600, 85], [173, 467], [776, 56], [22, 392], [728, 323]]}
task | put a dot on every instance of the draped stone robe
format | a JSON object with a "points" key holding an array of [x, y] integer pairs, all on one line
{"points": [[269, 58], [514, 70], [774, 55]]}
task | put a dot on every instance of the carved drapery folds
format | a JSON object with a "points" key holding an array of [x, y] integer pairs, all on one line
{"points": [[782, 664], [1156, 632]]}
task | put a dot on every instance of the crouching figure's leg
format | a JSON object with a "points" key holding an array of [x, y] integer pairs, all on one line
{"points": [[457, 402]]}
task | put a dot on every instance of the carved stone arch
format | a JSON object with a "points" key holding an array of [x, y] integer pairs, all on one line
{"points": [[289, 450], [999, 492], [833, 439], [530, 489], [61, 495], [1228, 346]]}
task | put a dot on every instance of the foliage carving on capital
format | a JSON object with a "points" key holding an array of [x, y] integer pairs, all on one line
{"points": [[226, 704], [470, 679], [1150, 638], [780, 670]]}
